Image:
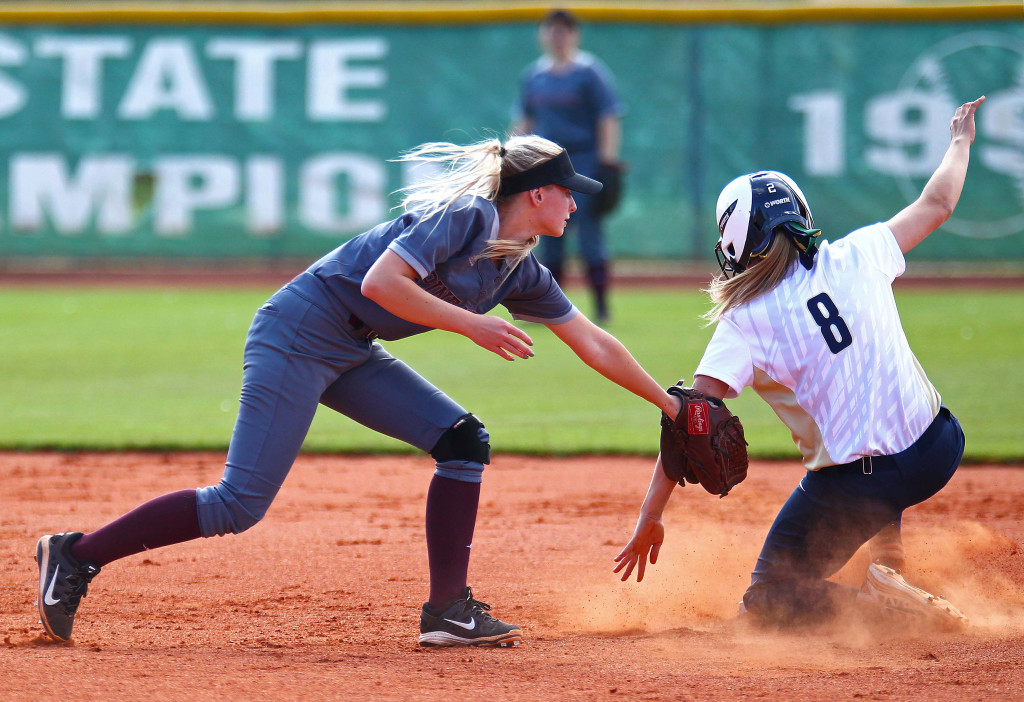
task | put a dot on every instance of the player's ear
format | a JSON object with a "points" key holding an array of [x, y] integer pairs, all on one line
{"points": [[537, 196]]}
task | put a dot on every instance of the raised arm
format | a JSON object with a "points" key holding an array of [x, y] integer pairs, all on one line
{"points": [[391, 283], [606, 354], [942, 191]]}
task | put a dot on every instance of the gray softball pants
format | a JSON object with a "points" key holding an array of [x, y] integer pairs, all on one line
{"points": [[298, 356]]}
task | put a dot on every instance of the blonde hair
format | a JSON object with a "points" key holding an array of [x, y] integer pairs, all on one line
{"points": [[476, 169], [762, 276]]}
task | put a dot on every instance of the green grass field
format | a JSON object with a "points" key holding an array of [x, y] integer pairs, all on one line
{"points": [[86, 369]]}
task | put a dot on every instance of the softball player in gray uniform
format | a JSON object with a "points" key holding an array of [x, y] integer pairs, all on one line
{"points": [[816, 333], [462, 247]]}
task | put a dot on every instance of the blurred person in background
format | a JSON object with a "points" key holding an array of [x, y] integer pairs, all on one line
{"points": [[569, 97]]}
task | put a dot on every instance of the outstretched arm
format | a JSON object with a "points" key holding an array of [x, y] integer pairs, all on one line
{"points": [[942, 191], [606, 354], [391, 283], [650, 531]]}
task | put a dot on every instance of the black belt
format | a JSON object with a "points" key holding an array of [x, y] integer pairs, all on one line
{"points": [[361, 328], [867, 464]]}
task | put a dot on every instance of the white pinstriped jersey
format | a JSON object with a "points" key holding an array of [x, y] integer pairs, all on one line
{"points": [[827, 351]]}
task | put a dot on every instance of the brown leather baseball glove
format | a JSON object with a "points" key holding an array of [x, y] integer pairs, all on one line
{"points": [[703, 444]]}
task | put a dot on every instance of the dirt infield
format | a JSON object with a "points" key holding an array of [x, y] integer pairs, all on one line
{"points": [[321, 600]]}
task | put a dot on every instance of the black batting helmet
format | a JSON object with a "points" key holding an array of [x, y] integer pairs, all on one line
{"points": [[750, 209]]}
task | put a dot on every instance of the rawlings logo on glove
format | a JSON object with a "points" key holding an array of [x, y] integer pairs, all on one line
{"points": [[703, 444], [697, 417]]}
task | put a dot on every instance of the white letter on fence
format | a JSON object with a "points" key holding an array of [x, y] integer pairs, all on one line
{"points": [[12, 93], [1002, 121], [167, 77], [824, 131], [320, 190], [330, 77], [41, 186], [264, 195], [254, 71], [82, 87], [911, 130], [185, 184]]}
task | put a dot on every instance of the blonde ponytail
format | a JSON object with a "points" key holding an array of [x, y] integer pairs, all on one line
{"points": [[756, 280], [477, 169], [465, 170]]}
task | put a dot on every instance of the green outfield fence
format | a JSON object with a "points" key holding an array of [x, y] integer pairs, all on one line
{"points": [[264, 131]]}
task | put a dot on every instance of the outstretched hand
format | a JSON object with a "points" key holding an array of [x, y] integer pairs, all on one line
{"points": [[500, 336], [647, 539], [962, 123]]}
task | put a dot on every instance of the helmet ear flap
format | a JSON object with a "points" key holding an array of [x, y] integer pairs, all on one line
{"points": [[766, 242]]}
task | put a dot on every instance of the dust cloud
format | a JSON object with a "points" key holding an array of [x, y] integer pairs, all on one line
{"points": [[962, 562], [691, 597]]}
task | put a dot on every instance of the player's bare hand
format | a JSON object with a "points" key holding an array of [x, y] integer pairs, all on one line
{"points": [[962, 123], [500, 337], [647, 540], [674, 405]]}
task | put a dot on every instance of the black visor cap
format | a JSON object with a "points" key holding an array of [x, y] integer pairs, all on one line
{"points": [[554, 171]]}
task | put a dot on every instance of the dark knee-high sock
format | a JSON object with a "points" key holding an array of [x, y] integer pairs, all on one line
{"points": [[169, 519], [451, 517]]}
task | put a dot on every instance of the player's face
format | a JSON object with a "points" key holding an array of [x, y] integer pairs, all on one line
{"points": [[559, 41], [555, 207]]}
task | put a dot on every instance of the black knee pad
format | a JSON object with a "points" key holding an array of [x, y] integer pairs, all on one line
{"points": [[466, 440]]}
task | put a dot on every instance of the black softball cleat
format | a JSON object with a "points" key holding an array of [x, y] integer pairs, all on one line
{"points": [[464, 621], [63, 582]]}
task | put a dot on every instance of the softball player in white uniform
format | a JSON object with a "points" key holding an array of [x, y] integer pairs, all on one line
{"points": [[816, 333]]}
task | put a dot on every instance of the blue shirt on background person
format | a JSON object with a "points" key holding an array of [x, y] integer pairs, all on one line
{"points": [[564, 103], [569, 97]]}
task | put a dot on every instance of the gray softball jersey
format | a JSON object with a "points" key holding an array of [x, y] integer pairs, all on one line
{"points": [[442, 249]]}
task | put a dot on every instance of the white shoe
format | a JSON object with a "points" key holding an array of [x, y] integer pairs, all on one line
{"points": [[886, 587]]}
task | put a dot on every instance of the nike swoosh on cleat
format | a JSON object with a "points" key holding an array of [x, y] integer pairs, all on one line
{"points": [[48, 597], [468, 626]]}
